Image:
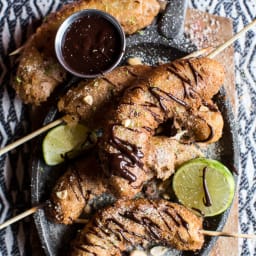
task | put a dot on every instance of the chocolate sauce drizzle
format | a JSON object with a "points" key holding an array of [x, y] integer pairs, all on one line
{"points": [[148, 106], [122, 230], [170, 227], [104, 233], [79, 182], [119, 166], [207, 198], [129, 150], [147, 129], [174, 69], [186, 83], [118, 224], [82, 248], [152, 227], [127, 225], [189, 91], [156, 116], [176, 217], [108, 81], [130, 156], [155, 91], [159, 98], [197, 76], [199, 211]]}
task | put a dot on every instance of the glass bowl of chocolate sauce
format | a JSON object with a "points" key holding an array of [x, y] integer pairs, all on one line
{"points": [[90, 43]]}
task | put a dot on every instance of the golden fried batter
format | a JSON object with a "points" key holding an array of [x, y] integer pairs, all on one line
{"points": [[141, 222], [103, 93], [182, 91], [82, 181]]}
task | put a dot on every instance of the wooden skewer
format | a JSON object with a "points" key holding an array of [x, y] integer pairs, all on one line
{"points": [[223, 46], [17, 51], [85, 221], [201, 52], [21, 216], [30, 136], [227, 234], [30, 212], [204, 232], [81, 221]]}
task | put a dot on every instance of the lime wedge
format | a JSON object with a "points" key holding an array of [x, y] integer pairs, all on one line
{"points": [[204, 185], [64, 141]]}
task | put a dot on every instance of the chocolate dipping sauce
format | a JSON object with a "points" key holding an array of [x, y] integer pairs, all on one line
{"points": [[90, 43]]}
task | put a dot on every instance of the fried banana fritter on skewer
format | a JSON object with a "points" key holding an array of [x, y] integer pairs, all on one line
{"points": [[141, 222], [82, 181], [85, 179], [181, 91], [88, 100], [39, 72]]}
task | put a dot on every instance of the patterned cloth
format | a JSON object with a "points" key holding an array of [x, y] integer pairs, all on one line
{"points": [[17, 21]]}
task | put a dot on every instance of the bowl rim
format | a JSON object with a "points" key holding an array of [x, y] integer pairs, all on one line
{"points": [[60, 35]]}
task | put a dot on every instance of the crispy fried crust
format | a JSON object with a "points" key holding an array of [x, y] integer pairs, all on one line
{"points": [[182, 91], [104, 93], [39, 72], [82, 181], [129, 223]]}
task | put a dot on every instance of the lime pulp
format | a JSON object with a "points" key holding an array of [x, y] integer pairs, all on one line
{"points": [[64, 141], [204, 185]]}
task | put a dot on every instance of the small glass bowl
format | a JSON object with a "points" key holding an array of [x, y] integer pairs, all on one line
{"points": [[61, 33]]}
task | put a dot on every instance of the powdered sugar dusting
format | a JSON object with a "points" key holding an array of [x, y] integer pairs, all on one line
{"points": [[202, 29]]}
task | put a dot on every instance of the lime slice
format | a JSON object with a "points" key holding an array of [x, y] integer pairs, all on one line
{"points": [[204, 185], [64, 141]]}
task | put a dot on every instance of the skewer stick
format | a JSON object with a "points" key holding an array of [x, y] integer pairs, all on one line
{"points": [[223, 46], [30, 136], [204, 232], [30, 212], [201, 52], [17, 51], [81, 221], [227, 234], [85, 221], [20, 216]]}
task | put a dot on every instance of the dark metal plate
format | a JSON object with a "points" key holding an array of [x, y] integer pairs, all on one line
{"points": [[152, 48]]}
